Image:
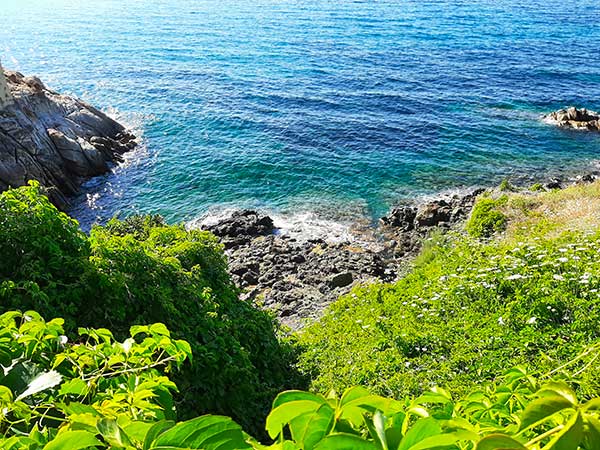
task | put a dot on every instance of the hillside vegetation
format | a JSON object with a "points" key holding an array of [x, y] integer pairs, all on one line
{"points": [[529, 296], [142, 271], [112, 340]]}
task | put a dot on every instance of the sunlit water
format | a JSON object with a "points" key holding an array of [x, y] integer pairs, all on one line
{"points": [[331, 109]]}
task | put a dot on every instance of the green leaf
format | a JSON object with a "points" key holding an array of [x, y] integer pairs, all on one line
{"points": [[156, 430], [292, 396], [542, 408], [76, 386], [440, 441], [422, 429], [379, 423], [204, 432], [285, 413], [560, 388], [499, 442], [310, 428], [569, 437], [112, 433], [342, 441], [592, 435], [73, 440]]}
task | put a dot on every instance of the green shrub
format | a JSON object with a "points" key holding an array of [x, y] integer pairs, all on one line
{"points": [[536, 187], [485, 218], [100, 393], [143, 271], [469, 310]]}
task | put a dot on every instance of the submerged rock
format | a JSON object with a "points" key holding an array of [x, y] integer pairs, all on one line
{"points": [[580, 119], [55, 139]]}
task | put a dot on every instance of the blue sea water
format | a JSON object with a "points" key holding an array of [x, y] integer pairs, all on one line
{"points": [[342, 108]]}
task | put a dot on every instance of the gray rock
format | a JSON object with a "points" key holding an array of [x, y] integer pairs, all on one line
{"points": [[580, 119], [55, 139], [341, 280]]}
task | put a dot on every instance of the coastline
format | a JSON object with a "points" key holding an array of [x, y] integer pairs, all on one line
{"points": [[298, 275]]}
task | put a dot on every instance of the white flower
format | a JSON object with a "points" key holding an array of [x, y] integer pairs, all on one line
{"points": [[558, 277], [500, 321], [516, 276], [532, 320], [563, 260]]}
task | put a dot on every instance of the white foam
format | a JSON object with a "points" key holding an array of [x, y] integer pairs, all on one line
{"points": [[302, 226]]}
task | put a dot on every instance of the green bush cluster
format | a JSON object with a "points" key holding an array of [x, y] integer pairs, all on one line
{"points": [[142, 271], [485, 218], [466, 312], [101, 393]]}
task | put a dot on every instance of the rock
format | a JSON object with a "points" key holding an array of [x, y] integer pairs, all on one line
{"points": [[402, 217], [553, 184], [580, 119], [433, 214], [341, 280], [55, 139], [242, 227]]}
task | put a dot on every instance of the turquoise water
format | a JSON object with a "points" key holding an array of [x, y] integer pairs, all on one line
{"points": [[337, 107]]}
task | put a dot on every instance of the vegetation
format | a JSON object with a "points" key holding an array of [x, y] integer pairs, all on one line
{"points": [[142, 271], [104, 394], [528, 298], [486, 219]]}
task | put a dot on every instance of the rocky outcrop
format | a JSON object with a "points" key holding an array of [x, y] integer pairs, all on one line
{"points": [[55, 139], [579, 119], [297, 278], [439, 212]]}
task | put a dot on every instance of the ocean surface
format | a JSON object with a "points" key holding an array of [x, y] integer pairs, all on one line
{"points": [[315, 110]]}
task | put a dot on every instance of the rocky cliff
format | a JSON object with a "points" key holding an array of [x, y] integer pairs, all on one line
{"points": [[55, 139]]}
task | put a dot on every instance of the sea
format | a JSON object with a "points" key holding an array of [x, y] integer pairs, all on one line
{"points": [[318, 112]]}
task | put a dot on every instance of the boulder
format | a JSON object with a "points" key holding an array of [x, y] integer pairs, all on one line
{"points": [[580, 119], [55, 139]]}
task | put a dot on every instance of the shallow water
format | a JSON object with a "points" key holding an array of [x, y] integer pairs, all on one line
{"points": [[331, 108]]}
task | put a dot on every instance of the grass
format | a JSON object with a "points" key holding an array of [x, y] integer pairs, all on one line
{"points": [[529, 295]]}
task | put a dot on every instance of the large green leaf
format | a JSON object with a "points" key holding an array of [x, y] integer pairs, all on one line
{"points": [[560, 388], [205, 432], [156, 430], [286, 412], [293, 396], [538, 410], [592, 433], [310, 428], [112, 433], [569, 437], [499, 442], [421, 430], [73, 440], [342, 441]]}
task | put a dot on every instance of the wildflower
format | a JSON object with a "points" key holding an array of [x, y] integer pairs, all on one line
{"points": [[516, 276], [563, 260], [532, 320], [500, 321], [558, 277]]}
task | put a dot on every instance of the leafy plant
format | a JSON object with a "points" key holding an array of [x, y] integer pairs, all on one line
{"points": [[485, 218], [143, 271]]}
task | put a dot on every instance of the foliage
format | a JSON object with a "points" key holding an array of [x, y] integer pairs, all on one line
{"points": [[104, 394], [485, 218], [143, 271], [468, 311]]}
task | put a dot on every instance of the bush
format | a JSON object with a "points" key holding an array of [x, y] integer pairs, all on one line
{"points": [[144, 271], [101, 393], [468, 311], [485, 218]]}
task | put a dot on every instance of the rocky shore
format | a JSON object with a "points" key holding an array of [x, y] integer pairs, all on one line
{"points": [[55, 139], [297, 278]]}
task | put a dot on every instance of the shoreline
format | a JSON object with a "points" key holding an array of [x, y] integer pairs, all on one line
{"points": [[297, 276]]}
